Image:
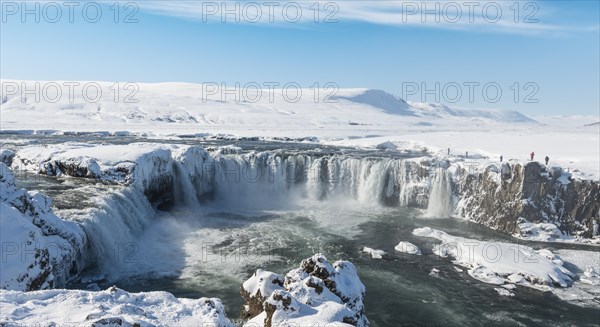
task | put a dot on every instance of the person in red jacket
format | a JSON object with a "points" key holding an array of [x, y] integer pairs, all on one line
{"points": [[532, 154]]}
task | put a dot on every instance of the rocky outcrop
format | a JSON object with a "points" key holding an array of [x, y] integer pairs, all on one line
{"points": [[512, 196], [315, 293], [39, 250]]}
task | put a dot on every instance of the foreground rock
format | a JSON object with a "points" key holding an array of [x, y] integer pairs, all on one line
{"points": [[112, 307], [317, 293]]}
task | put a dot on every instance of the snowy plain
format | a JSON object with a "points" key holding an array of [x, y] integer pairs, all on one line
{"points": [[350, 117]]}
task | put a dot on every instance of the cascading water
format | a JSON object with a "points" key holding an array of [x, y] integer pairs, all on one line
{"points": [[369, 181], [264, 180], [113, 226], [440, 200], [184, 192]]}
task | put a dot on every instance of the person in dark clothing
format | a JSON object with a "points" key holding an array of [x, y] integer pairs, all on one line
{"points": [[532, 154], [501, 158], [448, 151], [547, 159], [466, 154]]}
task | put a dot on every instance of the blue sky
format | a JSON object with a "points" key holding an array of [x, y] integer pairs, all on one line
{"points": [[377, 44]]}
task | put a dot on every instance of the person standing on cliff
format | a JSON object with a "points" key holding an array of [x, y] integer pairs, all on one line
{"points": [[547, 159], [531, 155], [501, 158]]}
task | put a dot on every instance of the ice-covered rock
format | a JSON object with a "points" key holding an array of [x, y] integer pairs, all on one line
{"points": [[316, 293], [39, 250]]}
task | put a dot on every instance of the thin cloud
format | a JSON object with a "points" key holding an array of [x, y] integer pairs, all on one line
{"points": [[482, 16]]}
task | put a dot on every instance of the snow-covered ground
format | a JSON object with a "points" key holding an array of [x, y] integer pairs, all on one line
{"points": [[354, 117], [112, 307]]}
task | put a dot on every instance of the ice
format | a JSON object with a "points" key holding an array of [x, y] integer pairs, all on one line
{"points": [[407, 247], [499, 262], [375, 254]]}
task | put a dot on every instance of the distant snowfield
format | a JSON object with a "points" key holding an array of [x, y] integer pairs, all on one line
{"points": [[351, 117]]}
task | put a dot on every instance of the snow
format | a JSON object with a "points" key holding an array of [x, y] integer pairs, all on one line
{"points": [[75, 307], [38, 247], [354, 117], [500, 263], [586, 285], [375, 254], [546, 232], [263, 283], [316, 294], [407, 247]]}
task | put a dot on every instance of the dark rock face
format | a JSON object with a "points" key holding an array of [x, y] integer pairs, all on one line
{"points": [[500, 197]]}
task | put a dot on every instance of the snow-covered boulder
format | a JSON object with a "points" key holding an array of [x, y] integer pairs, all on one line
{"points": [[316, 293], [39, 250], [112, 307]]}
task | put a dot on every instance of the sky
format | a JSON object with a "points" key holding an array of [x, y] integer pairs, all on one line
{"points": [[538, 57]]}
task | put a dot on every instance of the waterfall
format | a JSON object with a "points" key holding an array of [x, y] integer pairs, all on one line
{"points": [[273, 176], [113, 226], [265, 180], [184, 192], [440, 199]]}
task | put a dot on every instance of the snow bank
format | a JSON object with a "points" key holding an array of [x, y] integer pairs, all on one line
{"points": [[39, 250], [114, 307], [317, 293], [500, 263]]}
